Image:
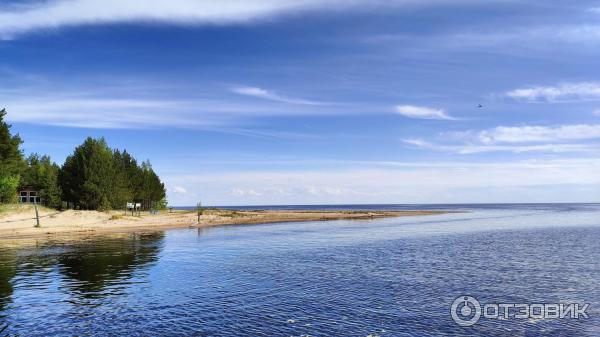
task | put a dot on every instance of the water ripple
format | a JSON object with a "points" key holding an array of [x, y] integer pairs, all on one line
{"points": [[388, 277]]}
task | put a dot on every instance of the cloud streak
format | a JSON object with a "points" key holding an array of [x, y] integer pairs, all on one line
{"points": [[563, 92], [140, 106], [178, 190], [475, 149], [527, 134], [109, 113], [54, 14], [420, 112], [271, 96]]}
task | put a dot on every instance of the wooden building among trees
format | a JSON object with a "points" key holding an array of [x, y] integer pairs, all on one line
{"points": [[29, 195]]}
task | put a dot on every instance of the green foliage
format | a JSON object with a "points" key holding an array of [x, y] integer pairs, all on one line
{"points": [[11, 161], [125, 179], [42, 174], [87, 175], [8, 188], [162, 204], [11, 157], [151, 189], [96, 177]]}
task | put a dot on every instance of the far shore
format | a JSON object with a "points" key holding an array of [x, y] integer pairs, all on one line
{"points": [[17, 224]]}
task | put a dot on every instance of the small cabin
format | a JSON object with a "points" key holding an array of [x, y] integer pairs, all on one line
{"points": [[29, 195]]}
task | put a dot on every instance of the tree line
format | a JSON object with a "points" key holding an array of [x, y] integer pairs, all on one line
{"points": [[93, 177]]}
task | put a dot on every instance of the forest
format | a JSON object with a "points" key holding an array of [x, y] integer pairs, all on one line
{"points": [[93, 177]]}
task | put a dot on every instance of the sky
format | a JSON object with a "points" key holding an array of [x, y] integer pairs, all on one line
{"points": [[249, 102]]}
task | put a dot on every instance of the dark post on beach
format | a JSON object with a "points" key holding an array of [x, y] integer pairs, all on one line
{"points": [[199, 209], [37, 216]]}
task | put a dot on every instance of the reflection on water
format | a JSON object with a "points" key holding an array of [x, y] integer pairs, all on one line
{"points": [[102, 267], [8, 270], [92, 267], [385, 277]]}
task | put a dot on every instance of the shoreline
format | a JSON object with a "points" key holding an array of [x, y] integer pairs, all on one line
{"points": [[17, 226]]}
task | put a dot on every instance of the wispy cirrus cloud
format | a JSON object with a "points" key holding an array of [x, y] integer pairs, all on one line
{"points": [[54, 14], [558, 93], [97, 112], [102, 112], [272, 96], [482, 148], [421, 112], [143, 105]]}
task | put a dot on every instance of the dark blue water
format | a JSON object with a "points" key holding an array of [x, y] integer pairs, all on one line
{"points": [[386, 277]]}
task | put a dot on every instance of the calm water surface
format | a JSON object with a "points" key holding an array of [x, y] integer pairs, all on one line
{"points": [[390, 277]]}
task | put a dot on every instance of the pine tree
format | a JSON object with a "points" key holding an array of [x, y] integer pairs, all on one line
{"points": [[152, 189], [87, 178], [11, 161], [96, 177], [42, 174], [122, 192]]}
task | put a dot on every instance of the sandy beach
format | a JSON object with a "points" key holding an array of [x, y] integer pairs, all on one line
{"points": [[17, 224]]}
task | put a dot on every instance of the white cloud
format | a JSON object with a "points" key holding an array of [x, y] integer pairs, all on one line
{"points": [[536, 181], [106, 113], [420, 112], [481, 148], [512, 37], [521, 139], [524, 134], [116, 107], [239, 192], [271, 96], [562, 92], [179, 190], [60, 13], [512, 40]]}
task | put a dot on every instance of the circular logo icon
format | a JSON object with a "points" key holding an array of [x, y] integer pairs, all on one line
{"points": [[466, 311]]}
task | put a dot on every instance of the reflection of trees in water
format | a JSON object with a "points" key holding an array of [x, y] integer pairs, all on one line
{"points": [[12, 263], [8, 270], [88, 267], [95, 265]]}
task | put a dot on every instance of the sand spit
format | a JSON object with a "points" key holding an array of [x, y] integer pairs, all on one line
{"points": [[17, 224]]}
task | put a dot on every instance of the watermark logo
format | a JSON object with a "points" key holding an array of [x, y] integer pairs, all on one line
{"points": [[467, 311]]}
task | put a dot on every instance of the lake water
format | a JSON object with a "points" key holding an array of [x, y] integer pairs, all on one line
{"points": [[385, 277]]}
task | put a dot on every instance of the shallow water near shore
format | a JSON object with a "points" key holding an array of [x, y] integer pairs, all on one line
{"points": [[384, 277]]}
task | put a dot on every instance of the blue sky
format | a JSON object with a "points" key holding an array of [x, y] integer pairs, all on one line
{"points": [[308, 102]]}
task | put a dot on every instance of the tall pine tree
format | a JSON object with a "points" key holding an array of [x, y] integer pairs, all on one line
{"points": [[86, 177], [11, 161], [98, 178]]}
